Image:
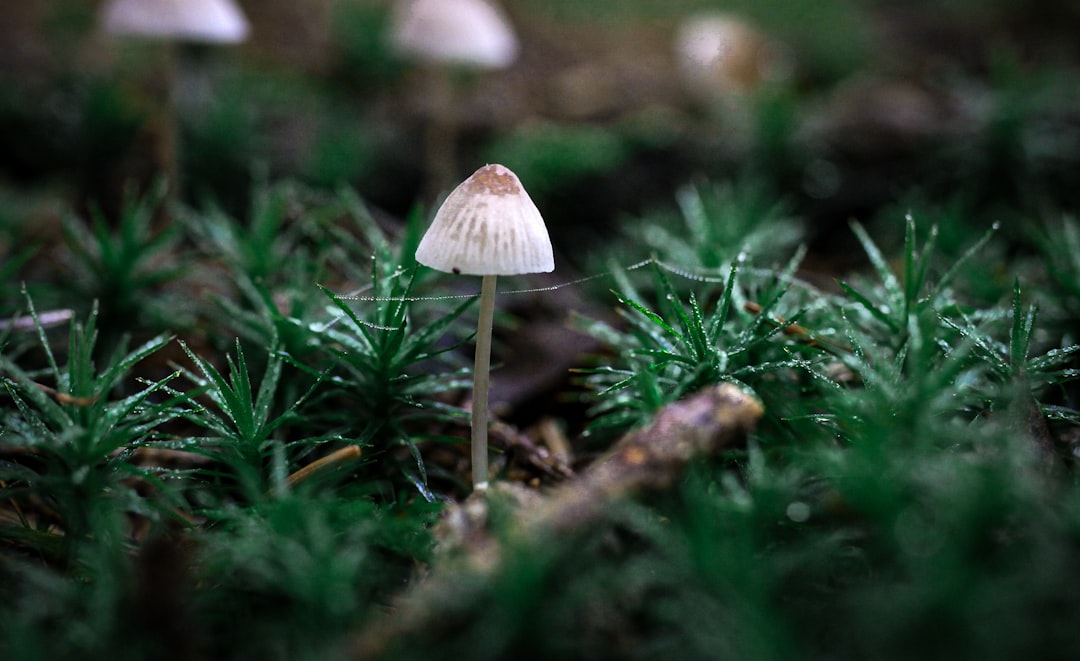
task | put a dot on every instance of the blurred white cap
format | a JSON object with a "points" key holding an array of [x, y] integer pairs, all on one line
{"points": [[468, 32], [213, 21]]}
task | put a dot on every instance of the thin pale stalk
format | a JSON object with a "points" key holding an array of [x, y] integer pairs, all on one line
{"points": [[440, 139], [481, 379], [168, 137]]}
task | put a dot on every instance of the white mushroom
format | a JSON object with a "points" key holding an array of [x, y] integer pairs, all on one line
{"points": [[487, 226], [720, 55], [215, 21], [181, 23], [463, 32], [442, 36]]}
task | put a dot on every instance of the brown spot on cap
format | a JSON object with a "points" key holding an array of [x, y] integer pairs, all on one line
{"points": [[487, 226], [635, 456], [493, 180]]}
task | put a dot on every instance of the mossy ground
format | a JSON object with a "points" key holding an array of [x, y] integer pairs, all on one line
{"points": [[883, 249]]}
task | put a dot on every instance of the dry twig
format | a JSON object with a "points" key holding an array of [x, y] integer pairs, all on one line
{"points": [[648, 459]]}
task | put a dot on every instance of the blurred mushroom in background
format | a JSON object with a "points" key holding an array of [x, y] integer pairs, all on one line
{"points": [[721, 57], [185, 26], [449, 39]]}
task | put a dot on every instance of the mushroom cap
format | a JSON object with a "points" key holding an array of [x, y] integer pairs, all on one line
{"points": [[468, 32], [488, 225], [720, 54], [214, 21]]}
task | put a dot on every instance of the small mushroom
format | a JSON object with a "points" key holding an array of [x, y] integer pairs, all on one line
{"points": [[447, 38], [211, 21], [180, 23], [722, 56], [487, 226], [465, 32]]}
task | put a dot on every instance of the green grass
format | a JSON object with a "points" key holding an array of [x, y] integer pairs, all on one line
{"points": [[81, 422], [907, 492], [74, 434], [910, 492], [123, 266]]}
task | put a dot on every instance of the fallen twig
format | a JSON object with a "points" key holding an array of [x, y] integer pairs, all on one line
{"points": [[648, 459], [333, 461]]}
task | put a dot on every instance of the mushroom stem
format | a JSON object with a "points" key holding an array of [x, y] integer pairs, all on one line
{"points": [[168, 137], [440, 139], [481, 379]]}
